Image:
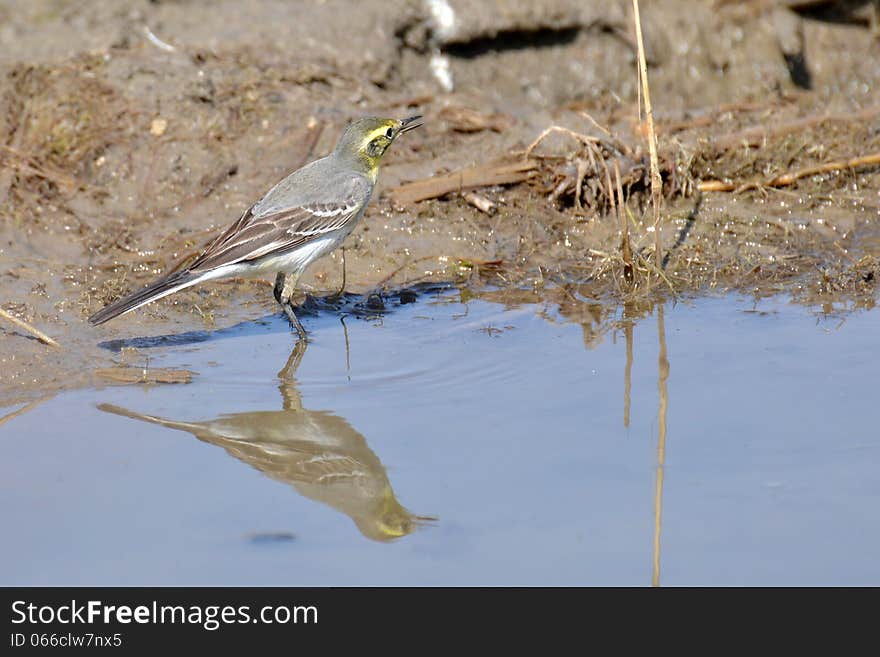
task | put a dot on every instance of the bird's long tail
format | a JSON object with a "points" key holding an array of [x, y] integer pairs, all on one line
{"points": [[155, 290], [155, 419]]}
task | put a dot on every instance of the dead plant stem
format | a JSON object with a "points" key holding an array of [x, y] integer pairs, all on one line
{"points": [[656, 180]]}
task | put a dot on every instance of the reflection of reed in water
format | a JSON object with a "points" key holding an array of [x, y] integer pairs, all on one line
{"points": [[316, 452], [662, 377]]}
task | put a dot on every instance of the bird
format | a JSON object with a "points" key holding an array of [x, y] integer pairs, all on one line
{"points": [[316, 452], [302, 218]]}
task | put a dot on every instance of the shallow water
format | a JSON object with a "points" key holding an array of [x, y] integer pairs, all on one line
{"points": [[465, 443]]}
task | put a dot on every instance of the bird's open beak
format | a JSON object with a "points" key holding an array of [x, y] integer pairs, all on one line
{"points": [[410, 124]]}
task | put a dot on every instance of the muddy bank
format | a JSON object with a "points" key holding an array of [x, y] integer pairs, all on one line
{"points": [[130, 134]]}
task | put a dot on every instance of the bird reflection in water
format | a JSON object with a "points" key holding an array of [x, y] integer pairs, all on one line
{"points": [[320, 454]]}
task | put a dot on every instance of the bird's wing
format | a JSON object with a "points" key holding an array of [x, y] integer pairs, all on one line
{"points": [[256, 235]]}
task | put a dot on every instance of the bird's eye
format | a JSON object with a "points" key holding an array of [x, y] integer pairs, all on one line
{"points": [[389, 133]]}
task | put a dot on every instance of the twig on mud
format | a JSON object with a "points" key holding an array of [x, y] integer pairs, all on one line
{"points": [[37, 333], [757, 135], [156, 41], [145, 375], [481, 203], [792, 176], [656, 180], [471, 178]]}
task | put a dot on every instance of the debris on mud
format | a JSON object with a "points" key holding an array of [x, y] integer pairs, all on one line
{"points": [[145, 375]]}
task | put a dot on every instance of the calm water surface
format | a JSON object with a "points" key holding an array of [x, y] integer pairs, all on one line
{"points": [[466, 444]]}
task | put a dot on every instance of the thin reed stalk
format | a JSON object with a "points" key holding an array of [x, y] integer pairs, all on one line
{"points": [[656, 180]]}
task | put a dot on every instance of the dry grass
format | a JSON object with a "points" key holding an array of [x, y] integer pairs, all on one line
{"points": [[57, 121]]}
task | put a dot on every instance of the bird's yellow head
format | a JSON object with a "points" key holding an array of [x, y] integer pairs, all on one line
{"points": [[388, 520], [365, 141]]}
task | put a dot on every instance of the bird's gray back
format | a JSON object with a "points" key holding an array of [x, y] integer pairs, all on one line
{"points": [[320, 182]]}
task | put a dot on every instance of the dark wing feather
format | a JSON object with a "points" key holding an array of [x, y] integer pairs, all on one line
{"points": [[252, 237]]}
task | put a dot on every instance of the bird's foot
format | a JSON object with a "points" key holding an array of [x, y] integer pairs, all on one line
{"points": [[294, 321]]}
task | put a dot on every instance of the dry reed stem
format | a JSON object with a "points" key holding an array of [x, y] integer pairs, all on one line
{"points": [[37, 333], [656, 180], [792, 176], [485, 175]]}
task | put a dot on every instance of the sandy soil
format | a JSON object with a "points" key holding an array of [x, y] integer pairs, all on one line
{"points": [[130, 132]]}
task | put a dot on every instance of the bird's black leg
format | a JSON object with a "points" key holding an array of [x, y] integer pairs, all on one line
{"points": [[341, 289], [285, 284]]}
